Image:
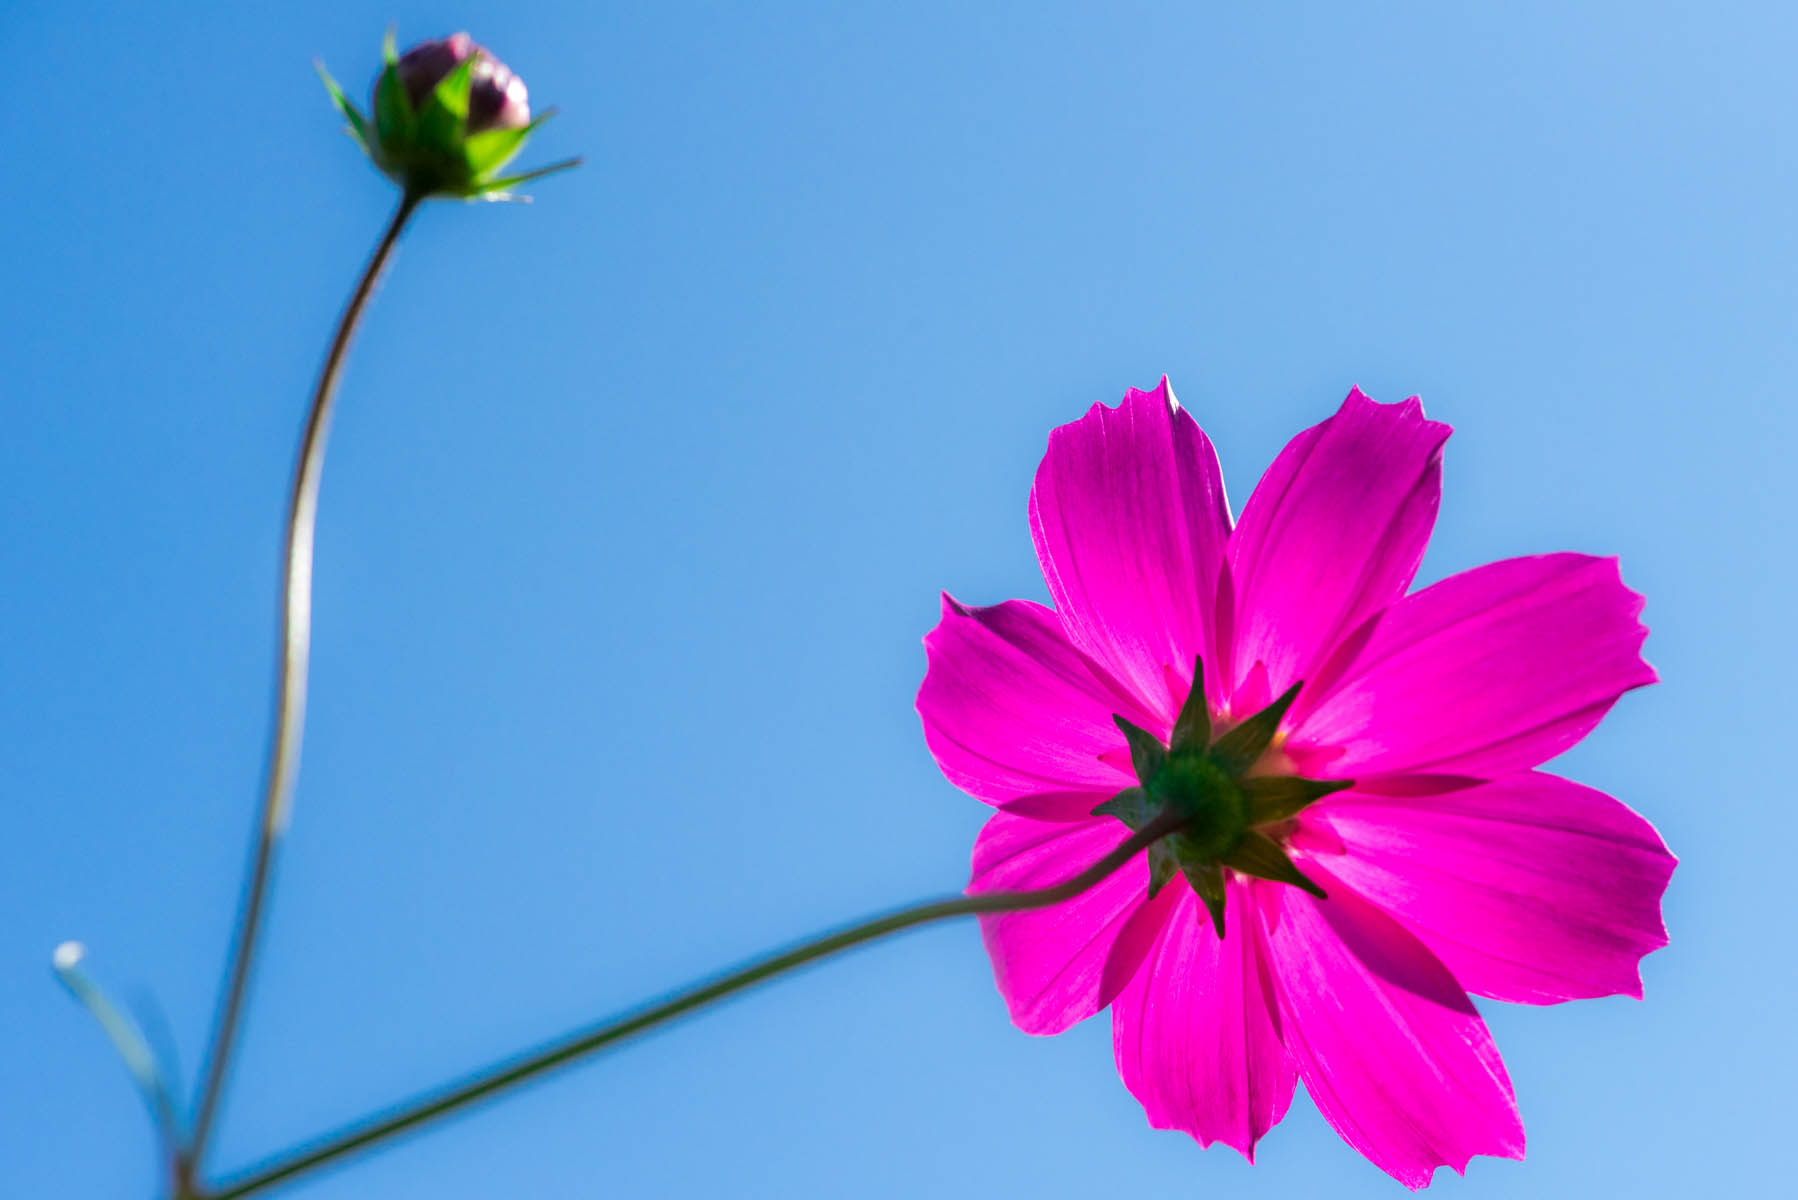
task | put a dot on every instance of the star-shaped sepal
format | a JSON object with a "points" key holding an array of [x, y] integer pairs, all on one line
{"points": [[1230, 819]]}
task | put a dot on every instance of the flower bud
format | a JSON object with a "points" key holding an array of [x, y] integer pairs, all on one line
{"points": [[447, 116]]}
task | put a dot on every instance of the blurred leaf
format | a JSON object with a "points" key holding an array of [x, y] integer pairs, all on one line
{"points": [[358, 123], [496, 185]]}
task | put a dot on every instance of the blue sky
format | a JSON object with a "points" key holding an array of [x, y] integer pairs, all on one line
{"points": [[642, 497]]}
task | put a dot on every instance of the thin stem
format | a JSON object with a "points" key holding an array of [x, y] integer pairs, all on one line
{"points": [[587, 1041], [127, 1040], [290, 703]]}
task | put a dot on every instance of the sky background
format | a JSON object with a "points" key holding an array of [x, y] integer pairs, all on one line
{"points": [[641, 498]]}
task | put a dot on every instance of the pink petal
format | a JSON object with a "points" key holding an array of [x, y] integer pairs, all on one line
{"points": [[1531, 888], [1490, 671], [1050, 963], [1012, 711], [1193, 1032], [1390, 1048], [1130, 521], [1332, 534]]}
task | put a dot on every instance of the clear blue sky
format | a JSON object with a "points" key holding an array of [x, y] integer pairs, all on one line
{"points": [[642, 497]]}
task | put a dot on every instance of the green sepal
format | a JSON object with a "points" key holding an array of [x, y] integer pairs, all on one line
{"points": [[1147, 754], [395, 122], [443, 121], [1238, 749], [1208, 882], [1192, 728], [1273, 798], [1131, 806], [1259, 855], [358, 127], [1164, 864], [500, 185], [492, 149], [390, 47]]}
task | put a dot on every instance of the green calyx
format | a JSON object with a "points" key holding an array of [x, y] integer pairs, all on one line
{"points": [[427, 148], [1230, 819]]}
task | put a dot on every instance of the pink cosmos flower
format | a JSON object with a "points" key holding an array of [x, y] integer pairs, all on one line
{"points": [[1368, 842]]}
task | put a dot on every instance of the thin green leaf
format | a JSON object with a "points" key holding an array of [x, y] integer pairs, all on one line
{"points": [[390, 51], [358, 123], [126, 1037], [494, 185]]}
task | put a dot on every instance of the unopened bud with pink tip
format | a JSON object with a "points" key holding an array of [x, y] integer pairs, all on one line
{"points": [[447, 116]]}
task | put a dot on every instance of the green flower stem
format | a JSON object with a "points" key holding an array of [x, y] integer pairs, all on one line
{"points": [[563, 1051], [290, 703]]}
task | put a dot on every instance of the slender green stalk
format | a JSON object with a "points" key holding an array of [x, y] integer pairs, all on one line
{"points": [[548, 1057], [290, 701]]}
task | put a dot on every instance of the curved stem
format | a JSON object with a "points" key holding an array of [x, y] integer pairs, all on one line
{"points": [[128, 1042], [587, 1041], [290, 703]]}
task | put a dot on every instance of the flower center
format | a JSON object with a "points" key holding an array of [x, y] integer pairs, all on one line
{"points": [[1194, 786], [1231, 793]]}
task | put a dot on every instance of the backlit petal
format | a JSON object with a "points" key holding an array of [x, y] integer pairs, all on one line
{"points": [[1050, 963], [1011, 710], [1390, 1048], [1490, 671], [1130, 520], [1530, 888], [1333, 533], [1193, 1034]]}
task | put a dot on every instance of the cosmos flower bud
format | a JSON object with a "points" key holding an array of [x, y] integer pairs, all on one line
{"points": [[448, 116]]}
